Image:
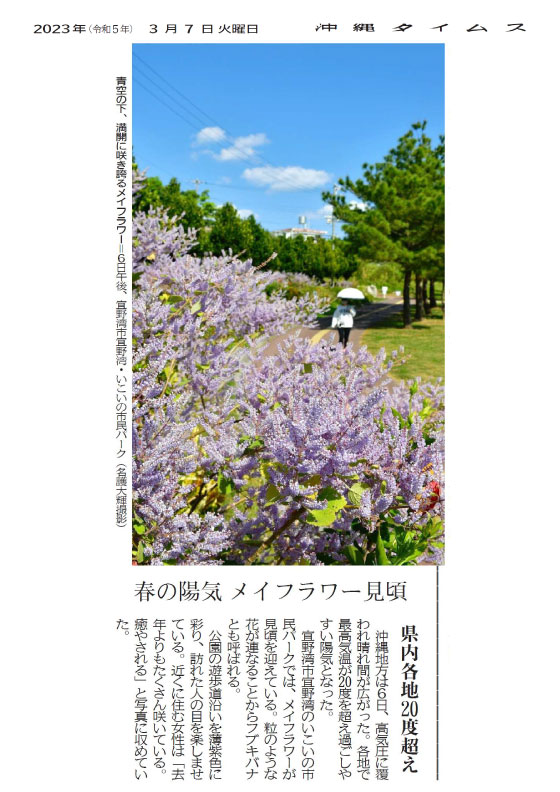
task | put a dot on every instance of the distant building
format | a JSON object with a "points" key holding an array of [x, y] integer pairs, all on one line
{"points": [[289, 233], [300, 230]]}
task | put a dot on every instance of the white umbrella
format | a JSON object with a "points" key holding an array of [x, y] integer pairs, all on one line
{"points": [[351, 294]]}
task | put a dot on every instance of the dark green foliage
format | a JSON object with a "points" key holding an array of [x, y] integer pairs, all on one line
{"points": [[317, 258], [402, 219], [261, 245], [229, 232], [386, 273], [197, 209], [221, 229]]}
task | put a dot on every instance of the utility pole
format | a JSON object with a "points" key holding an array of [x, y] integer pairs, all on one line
{"points": [[196, 182], [332, 218]]}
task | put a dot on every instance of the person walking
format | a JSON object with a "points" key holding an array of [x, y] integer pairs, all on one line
{"points": [[343, 320]]}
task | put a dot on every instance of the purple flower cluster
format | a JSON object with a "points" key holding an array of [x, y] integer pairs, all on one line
{"points": [[298, 278], [249, 456], [328, 421]]}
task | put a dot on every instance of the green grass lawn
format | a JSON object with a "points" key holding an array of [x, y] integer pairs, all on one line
{"points": [[423, 344]]}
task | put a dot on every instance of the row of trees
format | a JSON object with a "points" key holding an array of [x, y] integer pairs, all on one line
{"points": [[221, 229], [399, 214]]}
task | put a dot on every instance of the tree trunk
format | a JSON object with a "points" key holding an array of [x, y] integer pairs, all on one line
{"points": [[419, 312], [425, 300], [407, 319], [433, 303]]}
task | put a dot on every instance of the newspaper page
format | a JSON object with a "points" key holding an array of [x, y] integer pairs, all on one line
{"points": [[285, 281]]}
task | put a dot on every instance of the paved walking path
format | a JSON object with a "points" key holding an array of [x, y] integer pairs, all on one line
{"points": [[367, 316]]}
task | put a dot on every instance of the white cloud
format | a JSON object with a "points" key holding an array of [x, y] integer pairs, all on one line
{"points": [[319, 214], [243, 147], [291, 177], [357, 205], [258, 139], [209, 135]]}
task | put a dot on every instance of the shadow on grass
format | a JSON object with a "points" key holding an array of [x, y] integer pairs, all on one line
{"points": [[425, 351], [395, 322]]}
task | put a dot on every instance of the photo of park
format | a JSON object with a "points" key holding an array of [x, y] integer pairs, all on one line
{"points": [[288, 304]]}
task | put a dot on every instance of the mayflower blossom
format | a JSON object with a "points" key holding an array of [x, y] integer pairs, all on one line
{"points": [[251, 457], [298, 278]]}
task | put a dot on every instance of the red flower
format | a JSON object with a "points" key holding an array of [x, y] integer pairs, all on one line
{"points": [[431, 497]]}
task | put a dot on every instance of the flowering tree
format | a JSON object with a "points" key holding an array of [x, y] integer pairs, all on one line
{"points": [[242, 456]]}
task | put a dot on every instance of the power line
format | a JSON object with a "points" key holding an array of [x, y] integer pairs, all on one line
{"points": [[165, 104], [179, 115], [194, 126], [231, 186], [229, 137], [147, 77], [163, 79], [278, 210], [203, 181]]}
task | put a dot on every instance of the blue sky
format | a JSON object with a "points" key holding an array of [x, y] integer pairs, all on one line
{"points": [[269, 126]]}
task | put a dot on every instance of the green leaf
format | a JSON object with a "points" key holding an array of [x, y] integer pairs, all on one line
{"points": [[140, 528], [322, 517], [335, 500], [203, 366], [272, 494], [354, 555], [196, 307], [355, 493], [225, 485], [307, 368], [426, 409], [254, 445], [380, 553], [140, 553]]}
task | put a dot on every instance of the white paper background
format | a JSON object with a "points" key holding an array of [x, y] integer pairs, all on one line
{"points": [[65, 572]]}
